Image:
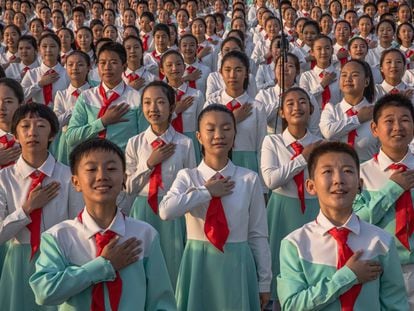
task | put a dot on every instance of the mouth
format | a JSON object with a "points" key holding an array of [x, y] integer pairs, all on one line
{"points": [[219, 145], [32, 142], [102, 188], [339, 192]]}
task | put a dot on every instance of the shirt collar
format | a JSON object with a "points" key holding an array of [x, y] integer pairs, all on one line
{"points": [[318, 70], [91, 227], [345, 106], [207, 172], [183, 88], [324, 224], [384, 161], [46, 168], [242, 99], [57, 67], [388, 87], [140, 71], [71, 88], [119, 89], [288, 138], [167, 137]]}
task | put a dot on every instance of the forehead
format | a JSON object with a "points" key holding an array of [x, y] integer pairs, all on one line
{"points": [[109, 55], [395, 111], [335, 158], [99, 156]]}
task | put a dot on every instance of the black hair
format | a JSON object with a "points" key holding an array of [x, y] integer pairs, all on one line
{"points": [[217, 108], [82, 54], [392, 100], [116, 48], [29, 39], [313, 24], [62, 15], [162, 27], [15, 87], [92, 46], [239, 33], [149, 15], [79, 9], [176, 33], [385, 21], [241, 56], [17, 29], [235, 40], [398, 31], [393, 50], [201, 20], [168, 53], [320, 37], [135, 28], [187, 35], [141, 61], [285, 94], [236, 19], [342, 21], [291, 55], [330, 147], [340, 6], [95, 22], [357, 38], [2, 73], [165, 88], [85, 148], [369, 90], [52, 36], [34, 109]]}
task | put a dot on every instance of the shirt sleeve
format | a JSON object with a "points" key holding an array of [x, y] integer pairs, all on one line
{"points": [[137, 170], [56, 280], [333, 128], [293, 289], [160, 294], [30, 87]]}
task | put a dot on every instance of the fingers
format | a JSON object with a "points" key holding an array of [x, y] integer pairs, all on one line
{"points": [[357, 255]]}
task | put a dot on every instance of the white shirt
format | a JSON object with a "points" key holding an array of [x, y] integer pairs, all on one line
{"points": [[251, 131], [151, 62], [190, 115], [30, 82], [374, 55], [244, 209], [311, 82], [138, 151], [5, 58], [260, 50], [65, 102], [150, 40], [14, 186], [335, 125], [142, 72], [208, 60], [385, 88], [265, 76], [201, 83], [15, 70], [271, 99], [277, 166], [216, 83]]}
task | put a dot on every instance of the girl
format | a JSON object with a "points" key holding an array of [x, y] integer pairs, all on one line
{"points": [[173, 44], [385, 31], [182, 22], [97, 28], [393, 67], [404, 14], [289, 17], [271, 97], [78, 64], [27, 49], [350, 120], [153, 159], [261, 51], [298, 30], [188, 101], [67, 41], [211, 30], [20, 21], [227, 252], [284, 169], [84, 39], [405, 37], [11, 38], [36, 28], [111, 32], [310, 31], [250, 115], [152, 59], [342, 32], [366, 30], [205, 50], [321, 81], [136, 74], [335, 9], [42, 83], [326, 25], [58, 20], [215, 80]]}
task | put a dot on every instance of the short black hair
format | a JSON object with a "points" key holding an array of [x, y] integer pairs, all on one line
{"points": [[94, 144], [116, 48], [330, 147], [15, 87], [40, 110], [392, 100], [162, 27]]}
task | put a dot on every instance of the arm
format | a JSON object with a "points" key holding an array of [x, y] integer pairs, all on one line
{"points": [[306, 84], [55, 280], [79, 128], [160, 295], [182, 197], [333, 128], [30, 87], [274, 173], [372, 206], [137, 170], [294, 291], [60, 111]]}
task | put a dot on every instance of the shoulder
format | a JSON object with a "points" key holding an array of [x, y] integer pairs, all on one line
{"points": [[214, 98], [65, 228], [372, 232]]}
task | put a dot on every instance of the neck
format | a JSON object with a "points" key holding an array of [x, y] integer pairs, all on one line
{"points": [[160, 129], [175, 82], [5, 127], [352, 99], [393, 82], [396, 155], [111, 85], [49, 63], [77, 83], [134, 65], [216, 163], [297, 131], [234, 92], [27, 62], [385, 45], [12, 49], [101, 213], [34, 159], [338, 217], [341, 42], [190, 59], [323, 65]]}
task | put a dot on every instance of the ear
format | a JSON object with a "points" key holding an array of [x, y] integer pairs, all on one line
{"points": [[366, 82], [312, 109], [198, 135], [374, 129], [75, 183], [281, 113], [310, 187]]}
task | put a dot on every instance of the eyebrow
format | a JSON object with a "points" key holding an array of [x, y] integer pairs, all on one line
{"points": [[95, 162]]}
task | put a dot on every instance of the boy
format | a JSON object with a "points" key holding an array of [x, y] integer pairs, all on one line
{"points": [[109, 110], [388, 179], [101, 247], [338, 262], [35, 194]]}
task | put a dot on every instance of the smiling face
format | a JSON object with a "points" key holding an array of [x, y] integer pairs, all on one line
{"points": [[156, 108], [393, 67], [352, 80], [358, 49], [296, 109], [173, 67], [49, 50], [99, 176], [336, 182], [8, 105]]}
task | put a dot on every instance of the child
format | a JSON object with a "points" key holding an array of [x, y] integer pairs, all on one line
{"points": [[41, 84], [78, 64], [101, 248], [205, 50], [153, 159], [249, 113], [136, 74], [84, 39], [152, 59], [385, 31], [11, 38], [35, 194], [321, 81], [27, 48], [261, 51], [366, 29], [389, 180], [227, 252], [109, 110], [67, 41], [146, 21], [283, 162], [349, 120], [11, 97], [342, 33], [188, 101], [405, 37], [338, 262]]}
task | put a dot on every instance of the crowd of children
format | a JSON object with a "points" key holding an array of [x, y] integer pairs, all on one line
{"points": [[206, 155]]}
